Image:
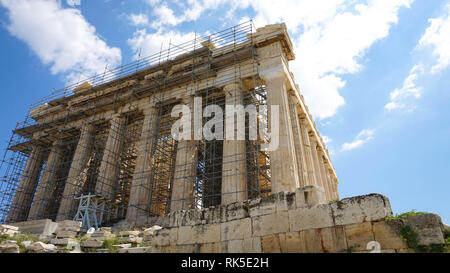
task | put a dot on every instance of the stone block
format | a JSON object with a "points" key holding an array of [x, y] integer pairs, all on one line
{"points": [[198, 234], [310, 241], [9, 247], [64, 241], [207, 233], [192, 217], [429, 227], [235, 211], [309, 196], [129, 233], [359, 235], [151, 231], [165, 237], [147, 249], [92, 243], [176, 218], [189, 248], [8, 232], [285, 201], [270, 244], [217, 247], [270, 224], [186, 235], [333, 239], [236, 230], [359, 209], [122, 246], [319, 216], [9, 227], [66, 234], [38, 227], [386, 234], [102, 234], [40, 247], [236, 246], [252, 245], [69, 225], [214, 215], [262, 206], [133, 239], [291, 243]]}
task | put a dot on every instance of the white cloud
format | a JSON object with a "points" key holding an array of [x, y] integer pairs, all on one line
{"points": [[362, 138], [326, 139], [60, 37], [330, 37], [400, 97], [333, 47], [148, 44], [138, 19], [437, 35]]}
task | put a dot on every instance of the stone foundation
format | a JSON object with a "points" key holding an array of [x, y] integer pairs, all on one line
{"points": [[291, 222], [285, 222]]}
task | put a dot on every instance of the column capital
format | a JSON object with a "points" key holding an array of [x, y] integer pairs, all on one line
{"points": [[273, 73], [187, 99], [231, 86], [151, 109]]}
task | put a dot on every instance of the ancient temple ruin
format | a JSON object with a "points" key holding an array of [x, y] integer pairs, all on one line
{"points": [[102, 150]]}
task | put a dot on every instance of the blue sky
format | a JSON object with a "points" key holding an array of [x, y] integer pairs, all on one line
{"points": [[375, 74]]}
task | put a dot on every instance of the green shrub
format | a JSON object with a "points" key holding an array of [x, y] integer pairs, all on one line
{"points": [[109, 243]]}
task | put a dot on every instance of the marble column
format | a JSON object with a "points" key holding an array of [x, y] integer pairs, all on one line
{"points": [[283, 163], [185, 168], [316, 164], [299, 143], [141, 184], [110, 165], [77, 174], [334, 186], [234, 159], [27, 186], [184, 176], [324, 174], [49, 181], [309, 160]]}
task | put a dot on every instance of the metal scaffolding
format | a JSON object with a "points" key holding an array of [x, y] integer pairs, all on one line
{"points": [[81, 147]]}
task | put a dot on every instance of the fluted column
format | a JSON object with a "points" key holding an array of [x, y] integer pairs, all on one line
{"points": [[309, 160], [234, 159], [141, 183], [283, 164], [334, 185], [316, 165], [49, 180], [185, 168], [184, 176], [27, 186], [109, 167], [324, 174], [77, 174], [298, 141]]}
